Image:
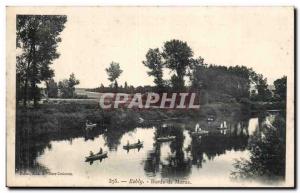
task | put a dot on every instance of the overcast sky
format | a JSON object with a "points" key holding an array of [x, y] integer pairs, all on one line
{"points": [[261, 38]]}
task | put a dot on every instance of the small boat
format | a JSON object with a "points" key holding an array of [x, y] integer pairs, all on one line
{"points": [[164, 139], [133, 146], [201, 132], [96, 156], [90, 125]]}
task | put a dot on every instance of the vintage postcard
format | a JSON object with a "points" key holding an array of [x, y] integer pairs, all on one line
{"points": [[150, 97]]}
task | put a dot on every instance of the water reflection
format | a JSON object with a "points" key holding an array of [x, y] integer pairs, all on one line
{"points": [[168, 158], [188, 156], [267, 147]]}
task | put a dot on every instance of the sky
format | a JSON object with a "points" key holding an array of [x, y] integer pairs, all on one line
{"points": [[260, 38]]}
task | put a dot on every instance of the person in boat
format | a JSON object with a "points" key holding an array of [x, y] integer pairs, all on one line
{"points": [[139, 141], [100, 151], [91, 153], [127, 143], [87, 122], [197, 127]]}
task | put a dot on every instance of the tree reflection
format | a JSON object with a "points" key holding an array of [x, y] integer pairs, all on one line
{"points": [[152, 162], [27, 150], [114, 134], [178, 162], [267, 148], [217, 143], [30, 143], [175, 163]]}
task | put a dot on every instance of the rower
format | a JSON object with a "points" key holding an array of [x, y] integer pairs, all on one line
{"points": [[100, 151], [91, 153], [88, 122], [139, 141], [197, 127]]}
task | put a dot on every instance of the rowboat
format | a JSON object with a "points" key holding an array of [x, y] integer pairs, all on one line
{"points": [[133, 146], [164, 139], [201, 132], [90, 126], [96, 156], [87, 125]]}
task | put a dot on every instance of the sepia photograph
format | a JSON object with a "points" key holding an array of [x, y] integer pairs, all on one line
{"points": [[149, 97]]}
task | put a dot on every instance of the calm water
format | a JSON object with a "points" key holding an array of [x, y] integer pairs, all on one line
{"points": [[188, 157]]}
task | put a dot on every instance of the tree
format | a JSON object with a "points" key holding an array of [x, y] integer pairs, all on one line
{"points": [[67, 87], [37, 39], [73, 81], [125, 85], [52, 88], [177, 55], [113, 72], [263, 93], [64, 89], [155, 64], [116, 84], [280, 88], [197, 73], [219, 83]]}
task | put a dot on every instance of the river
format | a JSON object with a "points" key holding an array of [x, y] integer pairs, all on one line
{"points": [[195, 158]]}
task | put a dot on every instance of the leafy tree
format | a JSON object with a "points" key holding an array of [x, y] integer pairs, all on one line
{"points": [[219, 83], [113, 72], [116, 84], [196, 72], [52, 88], [280, 88], [177, 55], [73, 81], [263, 93], [155, 64], [67, 87], [64, 89], [37, 39]]}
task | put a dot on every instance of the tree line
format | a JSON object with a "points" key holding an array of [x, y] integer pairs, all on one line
{"points": [[37, 39], [213, 82], [63, 89]]}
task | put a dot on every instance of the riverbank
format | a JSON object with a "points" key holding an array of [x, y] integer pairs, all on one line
{"points": [[65, 117]]}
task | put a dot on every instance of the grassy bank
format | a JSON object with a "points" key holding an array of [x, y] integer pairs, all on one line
{"points": [[54, 118]]}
